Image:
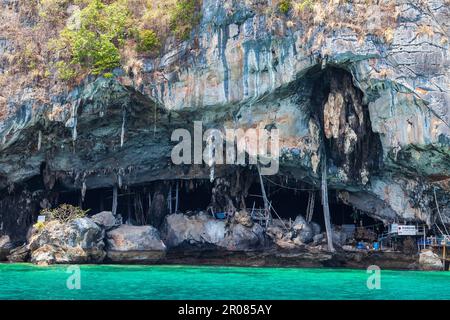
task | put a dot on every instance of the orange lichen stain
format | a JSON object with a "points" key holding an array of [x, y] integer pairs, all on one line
{"points": [[421, 91], [439, 178]]}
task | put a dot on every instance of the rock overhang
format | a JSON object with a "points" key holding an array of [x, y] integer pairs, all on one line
{"points": [[242, 69]]}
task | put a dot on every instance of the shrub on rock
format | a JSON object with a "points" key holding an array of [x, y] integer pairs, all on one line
{"points": [[77, 241], [64, 213]]}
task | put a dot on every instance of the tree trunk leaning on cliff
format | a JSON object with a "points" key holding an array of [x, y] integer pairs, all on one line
{"points": [[263, 192], [326, 208]]}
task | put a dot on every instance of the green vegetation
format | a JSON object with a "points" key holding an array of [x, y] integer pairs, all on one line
{"points": [[183, 16], [305, 4], [284, 6], [92, 40], [94, 33], [64, 213], [147, 41]]}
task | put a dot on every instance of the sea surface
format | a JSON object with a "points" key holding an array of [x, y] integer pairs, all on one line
{"points": [[26, 281]]}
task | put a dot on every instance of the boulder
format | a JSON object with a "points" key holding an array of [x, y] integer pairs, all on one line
{"points": [[339, 237], [204, 230], [428, 260], [78, 241], [274, 232], [5, 247], [131, 244], [106, 220], [299, 220], [306, 234], [243, 217], [19, 254], [303, 230], [318, 238], [243, 238], [316, 228], [194, 230]]}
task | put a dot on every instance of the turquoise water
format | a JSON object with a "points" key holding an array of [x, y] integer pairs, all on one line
{"points": [[25, 281]]}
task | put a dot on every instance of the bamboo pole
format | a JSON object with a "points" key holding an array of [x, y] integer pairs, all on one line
{"points": [[114, 202], [169, 200], [176, 198], [444, 254], [263, 192], [310, 208], [326, 208]]}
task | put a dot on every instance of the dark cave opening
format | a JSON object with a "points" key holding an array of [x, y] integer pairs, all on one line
{"points": [[344, 120], [194, 195], [134, 203], [291, 201], [288, 200]]}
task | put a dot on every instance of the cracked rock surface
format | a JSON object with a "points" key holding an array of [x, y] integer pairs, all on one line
{"points": [[379, 105]]}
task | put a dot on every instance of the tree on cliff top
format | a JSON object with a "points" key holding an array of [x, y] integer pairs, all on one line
{"points": [[92, 38]]}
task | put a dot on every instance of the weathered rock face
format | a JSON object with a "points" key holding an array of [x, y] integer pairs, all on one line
{"points": [[241, 237], [291, 237], [303, 230], [375, 101], [428, 260], [105, 220], [134, 244], [19, 254], [5, 247], [202, 231], [195, 230], [79, 241]]}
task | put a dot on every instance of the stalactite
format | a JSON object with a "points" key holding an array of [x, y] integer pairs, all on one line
{"points": [[122, 133], [120, 174], [39, 145], [83, 191], [74, 120], [114, 201], [211, 160]]}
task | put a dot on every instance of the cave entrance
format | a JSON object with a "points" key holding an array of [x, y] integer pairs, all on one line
{"points": [[138, 205], [96, 200], [292, 199], [341, 113], [194, 195]]}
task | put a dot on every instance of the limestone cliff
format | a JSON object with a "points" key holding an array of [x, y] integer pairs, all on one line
{"points": [[369, 83]]}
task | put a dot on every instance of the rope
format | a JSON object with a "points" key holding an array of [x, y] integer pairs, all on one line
{"points": [[270, 206], [286, 187], [439, 211], [310, 208]]}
